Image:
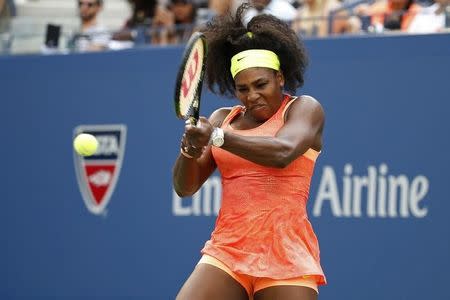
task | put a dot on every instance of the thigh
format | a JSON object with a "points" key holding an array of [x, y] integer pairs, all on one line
{"points": [[208, 282], [286, 292]]}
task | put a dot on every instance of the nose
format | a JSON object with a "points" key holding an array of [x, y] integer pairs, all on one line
{"points": [[252, 96]]}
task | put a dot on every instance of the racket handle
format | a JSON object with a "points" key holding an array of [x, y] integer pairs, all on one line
{"points": [[192, 120]]}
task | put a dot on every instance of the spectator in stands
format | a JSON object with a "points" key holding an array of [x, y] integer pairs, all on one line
{"points": [[209, 9], [432, 18], [5, 15], [137, 28], [174, 23], [389, 14], [220, 7], [281, 9], [92, 36], [314, 17]]}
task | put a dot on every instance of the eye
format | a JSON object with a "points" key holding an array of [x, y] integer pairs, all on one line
{"points": [[261, 85], [242, 89]]}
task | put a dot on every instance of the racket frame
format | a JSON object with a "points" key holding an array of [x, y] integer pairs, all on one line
{"points": [[194, 109]]}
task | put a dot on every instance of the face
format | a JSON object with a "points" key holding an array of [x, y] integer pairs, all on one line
{"points": [[182, 11], [398, 4], [260, 90], [88, 9], [441, 2]]}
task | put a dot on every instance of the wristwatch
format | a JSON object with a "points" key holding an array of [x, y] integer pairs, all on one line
{"points": [[217, 137]]}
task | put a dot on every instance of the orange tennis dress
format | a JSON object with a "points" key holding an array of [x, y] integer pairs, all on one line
{"points": [[262, 228]]}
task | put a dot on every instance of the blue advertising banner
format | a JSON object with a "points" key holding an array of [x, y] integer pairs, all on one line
{"points": [[378, 200]]}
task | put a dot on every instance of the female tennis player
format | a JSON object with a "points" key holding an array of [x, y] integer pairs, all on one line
{"points": [[263, 246]]}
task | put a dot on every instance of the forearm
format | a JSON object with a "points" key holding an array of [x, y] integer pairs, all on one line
{"points": [[266, 151], [186, 173]]}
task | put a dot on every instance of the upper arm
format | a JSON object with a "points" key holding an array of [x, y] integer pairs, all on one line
{"points": [[218, 116], [304, 122]]}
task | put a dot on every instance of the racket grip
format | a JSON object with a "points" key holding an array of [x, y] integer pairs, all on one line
{"points": [[193, 121]]}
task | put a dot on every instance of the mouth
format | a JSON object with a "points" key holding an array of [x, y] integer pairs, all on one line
{"points": [[256, 107]]}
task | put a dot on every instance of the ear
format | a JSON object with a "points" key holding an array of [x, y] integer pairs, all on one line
{"points": [[280, 79]]}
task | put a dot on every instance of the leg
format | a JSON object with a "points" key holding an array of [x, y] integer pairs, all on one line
{"points": [[209, 282], [286, 292]]}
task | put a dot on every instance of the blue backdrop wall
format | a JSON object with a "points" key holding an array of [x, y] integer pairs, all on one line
{"points": [[379, 199]]}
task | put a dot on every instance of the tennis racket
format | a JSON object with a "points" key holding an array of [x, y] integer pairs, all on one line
{"points": [[188, 87]]}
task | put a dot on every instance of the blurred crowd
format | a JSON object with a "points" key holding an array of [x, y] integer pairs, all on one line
{"points": [[7, 11], [165, 22]]}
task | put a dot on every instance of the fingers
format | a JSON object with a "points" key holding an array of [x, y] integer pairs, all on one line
{"points": [[203, 126], [193, 142], [191, 150], [203, 121], [196, 137], [200, 121]]}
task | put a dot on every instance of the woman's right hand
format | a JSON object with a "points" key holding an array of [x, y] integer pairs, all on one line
{"points": [[188, 150], [198, 136]]}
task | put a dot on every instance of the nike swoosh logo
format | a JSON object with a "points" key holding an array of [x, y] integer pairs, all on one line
{"points": [[239, 59]]}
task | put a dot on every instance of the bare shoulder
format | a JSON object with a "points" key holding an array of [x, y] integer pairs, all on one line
{"points": [[308, 105], [219, 115], [310, 101]]}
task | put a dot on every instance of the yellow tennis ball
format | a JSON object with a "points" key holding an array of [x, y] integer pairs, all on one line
{"points": [[85, 144]]}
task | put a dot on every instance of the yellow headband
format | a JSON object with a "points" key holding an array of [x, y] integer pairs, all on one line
{"points": [[254, 58]]}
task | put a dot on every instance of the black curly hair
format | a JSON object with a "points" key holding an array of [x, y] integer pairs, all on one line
{"points": [[227, 36]]}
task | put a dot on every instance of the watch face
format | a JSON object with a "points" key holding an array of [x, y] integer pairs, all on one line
{"points": [[218, 141]]}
